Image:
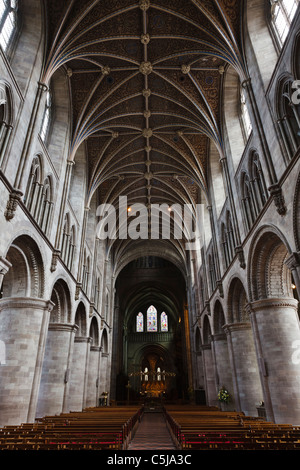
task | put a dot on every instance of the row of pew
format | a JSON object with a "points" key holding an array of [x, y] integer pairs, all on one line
{"points": [[103, 428], [208, 428]]}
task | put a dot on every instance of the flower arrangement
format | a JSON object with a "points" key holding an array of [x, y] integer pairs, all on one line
{"points": [[223, 395]]}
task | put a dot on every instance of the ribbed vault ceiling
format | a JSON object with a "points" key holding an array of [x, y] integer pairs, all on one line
{"points": [[145, 80]]}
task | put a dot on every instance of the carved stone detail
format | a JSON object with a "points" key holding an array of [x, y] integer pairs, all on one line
{"points": [[185, 68], [105, 70], [144, 5], [146, 92], [146, 68], [240, 253], [147, 132], [145, 38], [276, 193], [12, 204], [55, 256]]}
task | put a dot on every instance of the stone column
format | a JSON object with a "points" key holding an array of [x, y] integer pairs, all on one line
{"points": [[93, 377], [277, 337], [223, 369], [293, 263], [103, 386], [4, 267], [79, 373], [56, 367], [209, 376], [245, 372], [23, 331]]}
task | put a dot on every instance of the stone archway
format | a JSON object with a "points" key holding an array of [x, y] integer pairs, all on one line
{"points": [[23, 330], [81, 348], [275, 324], [242, 353], [208, 363], [223, 371], [54, 387], [94, 365]]}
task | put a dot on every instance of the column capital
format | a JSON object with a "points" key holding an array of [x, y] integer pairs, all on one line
{"points": [[5, 265], [26, 302], [293, 261], [272, 303], [229, 327]]}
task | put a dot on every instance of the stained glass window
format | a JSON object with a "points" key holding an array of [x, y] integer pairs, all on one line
{"points": [[151, 319], [139, 322], [164, 322]]}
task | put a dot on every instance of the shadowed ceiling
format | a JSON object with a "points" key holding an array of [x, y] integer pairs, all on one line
{"points": [[145, 80]]}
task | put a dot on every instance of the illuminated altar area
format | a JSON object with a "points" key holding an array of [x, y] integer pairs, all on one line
{"points": [[154, 381]]}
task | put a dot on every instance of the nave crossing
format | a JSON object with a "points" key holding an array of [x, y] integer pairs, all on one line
{"points": [[135, 428]]}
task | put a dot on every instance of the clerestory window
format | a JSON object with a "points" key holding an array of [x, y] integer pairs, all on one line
{"points": [[8, 22], [282, 14]]}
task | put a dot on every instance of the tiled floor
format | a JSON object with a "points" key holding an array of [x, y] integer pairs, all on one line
{"points": [[152, 434]]}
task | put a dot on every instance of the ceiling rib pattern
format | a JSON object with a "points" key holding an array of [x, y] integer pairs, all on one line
{"points": [[145, 80]]}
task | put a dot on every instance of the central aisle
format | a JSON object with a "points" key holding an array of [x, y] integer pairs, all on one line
{"points": [[152, 434]]}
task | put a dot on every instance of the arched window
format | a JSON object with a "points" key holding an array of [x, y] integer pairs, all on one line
{"points": [[247, 201], [228, 240], [230, 236], [282, 14], [34, 182], [288, 116], [6, 118], [86, 273], [245, 116], [140, 322], [46, 117], [163, 322], [151, 319], [68, 242], [97, 294], [259, 185], [224, 242], [212, 272], [106, 306], [46, 205], [8, 22]]}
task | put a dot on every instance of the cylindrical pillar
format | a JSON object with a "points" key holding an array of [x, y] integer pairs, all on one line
{"points": [[23, 331], [56, 369], [223, 371], [209, 375], [277, 336], [93, 377], [79, 373], [245, 372]]}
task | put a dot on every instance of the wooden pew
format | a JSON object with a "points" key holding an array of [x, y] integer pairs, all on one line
{"points": [[94, 428], [197, 428]]}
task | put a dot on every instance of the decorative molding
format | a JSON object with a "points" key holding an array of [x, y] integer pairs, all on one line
{"points": [[271, 303], [278, 198], [229, 327], [220, 288], [293, 261], [12, 204], [55, 257], [78, 290], [26, 302], [240, 253]]}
